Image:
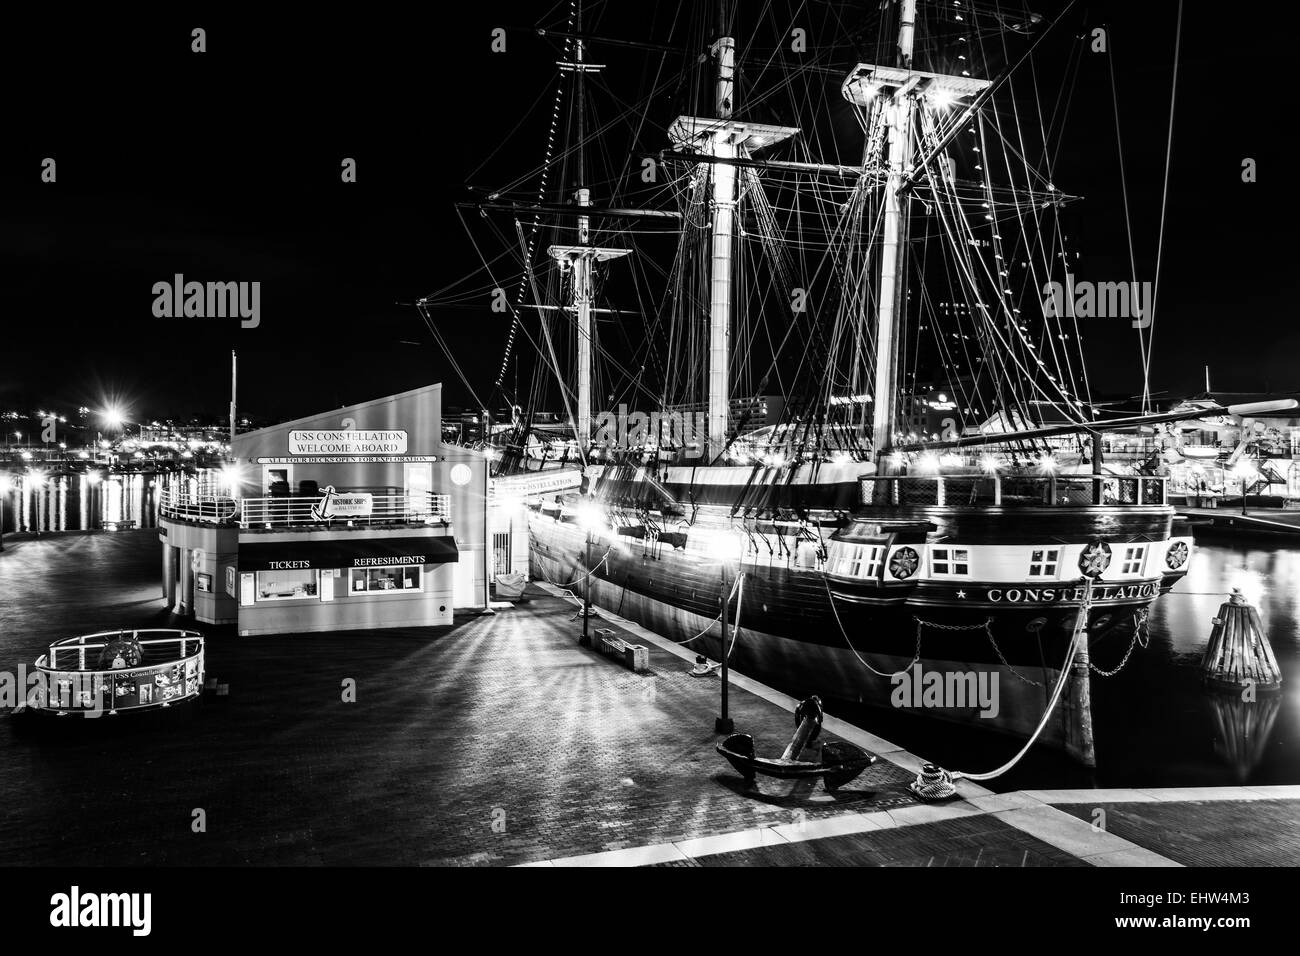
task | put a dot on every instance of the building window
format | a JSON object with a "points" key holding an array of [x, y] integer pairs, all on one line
{"points": [[953, 562], [1133, 559], [1043, 563], [396, 578], [286, 585]]}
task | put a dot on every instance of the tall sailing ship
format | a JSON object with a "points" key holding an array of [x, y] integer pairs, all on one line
{"points": [[765, 433]]}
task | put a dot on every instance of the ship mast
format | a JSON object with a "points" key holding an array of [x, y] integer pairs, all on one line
{"points": [[726, 140], [720, 264], [897, 90], [892, 291], [579, 258]]}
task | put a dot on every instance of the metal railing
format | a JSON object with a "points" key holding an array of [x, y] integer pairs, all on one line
{"points": [[347, 507], [209, 509], [1010, 491], [352, 506], [156, 680]]}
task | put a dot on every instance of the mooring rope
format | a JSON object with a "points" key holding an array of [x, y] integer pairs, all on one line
{"points": [[583, 577], [845, 634], [935, 783], [734, 585]]}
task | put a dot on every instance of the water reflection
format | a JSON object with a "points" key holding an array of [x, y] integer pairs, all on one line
{"points": [[1243, 730], [35, 502]]}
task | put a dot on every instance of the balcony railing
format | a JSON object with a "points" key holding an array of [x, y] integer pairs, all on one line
{"points": [[347, 508], [209, 509], [1011, 491]]}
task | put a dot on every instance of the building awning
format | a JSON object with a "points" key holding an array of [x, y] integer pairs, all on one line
{"points": [[344, 553]]}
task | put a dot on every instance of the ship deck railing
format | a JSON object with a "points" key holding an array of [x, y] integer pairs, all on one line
{"points": [[1009, 491]]}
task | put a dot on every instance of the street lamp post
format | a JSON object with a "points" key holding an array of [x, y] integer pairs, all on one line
{"points": [[585, 640], [724, 724], [4, 495]]}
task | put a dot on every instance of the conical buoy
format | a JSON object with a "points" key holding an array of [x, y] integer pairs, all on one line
{"points": [[1239, 654]]}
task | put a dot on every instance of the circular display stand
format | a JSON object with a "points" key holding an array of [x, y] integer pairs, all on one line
{"points": [[113, 673]]}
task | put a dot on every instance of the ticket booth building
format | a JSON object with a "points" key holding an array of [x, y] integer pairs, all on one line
{"points": [[337, 521]]}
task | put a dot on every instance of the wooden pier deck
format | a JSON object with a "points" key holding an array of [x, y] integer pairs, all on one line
{"points": [[1255, 523], [500, 741]]}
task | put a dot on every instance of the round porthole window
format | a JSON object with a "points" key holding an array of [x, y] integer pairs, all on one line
{"points": [[460, 474]]}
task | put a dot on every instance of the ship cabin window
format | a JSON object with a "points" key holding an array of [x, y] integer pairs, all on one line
{"points": [[953, 562], [858, 560], [1133, 559], [1043, 563]]}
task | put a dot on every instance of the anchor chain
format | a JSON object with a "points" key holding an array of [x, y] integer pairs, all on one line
{"points": [[1139, 630], [988, 629]]}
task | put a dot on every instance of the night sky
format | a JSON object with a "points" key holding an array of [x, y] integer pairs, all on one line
{"points": [[225, 166]]}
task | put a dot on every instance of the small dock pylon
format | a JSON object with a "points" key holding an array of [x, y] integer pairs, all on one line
{"points": [[1239, 654]]}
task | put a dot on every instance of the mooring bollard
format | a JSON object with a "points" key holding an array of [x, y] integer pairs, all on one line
{"points": [[1239, 654]]}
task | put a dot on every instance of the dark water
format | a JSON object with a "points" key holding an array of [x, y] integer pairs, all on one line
{"points": [[40, 502], [1154, 724]]}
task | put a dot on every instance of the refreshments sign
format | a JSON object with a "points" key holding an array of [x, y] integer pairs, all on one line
{"points": [[352, 441]]}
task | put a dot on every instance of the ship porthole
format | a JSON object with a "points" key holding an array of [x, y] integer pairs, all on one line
{"points": [[1101, 623], [1036, 625]]}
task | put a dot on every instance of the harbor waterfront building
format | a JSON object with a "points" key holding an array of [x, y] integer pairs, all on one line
{"points": [[357, 517]]}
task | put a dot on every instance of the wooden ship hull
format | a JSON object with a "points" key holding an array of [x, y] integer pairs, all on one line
{"points": [[810, 623]]}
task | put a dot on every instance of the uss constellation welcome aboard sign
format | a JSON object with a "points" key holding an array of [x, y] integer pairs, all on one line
{"points": [[347, 445]]}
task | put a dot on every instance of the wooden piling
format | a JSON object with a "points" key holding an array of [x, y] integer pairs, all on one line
{"points": [[1239, 654]]}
